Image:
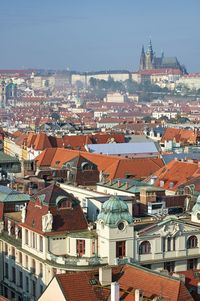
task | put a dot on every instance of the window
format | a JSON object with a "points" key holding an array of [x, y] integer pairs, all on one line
{"points": [[20, 257], [20, 279], [120, 249], [34, 240], [192, 242], [13, 275], [41, 244], [93, 247], [41, 270], [13, 253], [80, 247], [6, 249], [27, 284], [33, 266], [6, 270], [26, 236], [171, 243], [163, 244], [26, 262], [33, 288], [145, 247], [192, 264], [169, 266]]}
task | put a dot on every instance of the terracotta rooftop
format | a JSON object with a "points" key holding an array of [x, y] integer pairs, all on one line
{"points": [[65, 218], [76, 287], [152, 284], [113, 166], [176, 173]]}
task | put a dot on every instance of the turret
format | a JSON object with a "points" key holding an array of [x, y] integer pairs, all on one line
{"points": [[115, 231]]}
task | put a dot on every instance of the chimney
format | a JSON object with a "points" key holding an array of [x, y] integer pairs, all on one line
{"points": [[105, 275], [127, 185], [138, 295], [114, 291], [30, 191], [118, 183]]}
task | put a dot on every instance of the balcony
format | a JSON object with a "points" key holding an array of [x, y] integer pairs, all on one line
{"points": [[124, 260], [193, 251], [77, 261]]}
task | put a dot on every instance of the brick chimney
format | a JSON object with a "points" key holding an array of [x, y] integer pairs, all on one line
{"points": [[147, 196]]}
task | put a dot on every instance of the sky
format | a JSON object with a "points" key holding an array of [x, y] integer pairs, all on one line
{"points": [[92, 35]]}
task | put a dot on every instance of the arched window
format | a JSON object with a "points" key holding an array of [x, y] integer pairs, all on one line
{"points": [[145, 247], [192, 242]]}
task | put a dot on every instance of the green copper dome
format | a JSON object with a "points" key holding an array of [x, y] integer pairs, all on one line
{"points": [[196, 207], [114, 211]]}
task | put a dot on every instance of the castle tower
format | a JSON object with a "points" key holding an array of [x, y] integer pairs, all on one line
{"points": [[115, 231]]}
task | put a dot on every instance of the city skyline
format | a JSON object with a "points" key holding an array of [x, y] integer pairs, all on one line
{"points": [[96, 36]]}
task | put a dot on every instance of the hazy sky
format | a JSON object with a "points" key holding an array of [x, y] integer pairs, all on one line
{"points": [[91, 35]]}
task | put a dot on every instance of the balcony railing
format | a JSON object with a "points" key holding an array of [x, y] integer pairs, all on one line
{"points": [[77, 261]]}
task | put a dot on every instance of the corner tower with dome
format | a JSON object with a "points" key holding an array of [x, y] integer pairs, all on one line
{"points": [[115, 231], [195, 214]]}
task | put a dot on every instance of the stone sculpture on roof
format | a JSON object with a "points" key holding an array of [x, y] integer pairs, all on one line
{"points": [[23, 213], [47, 222]]}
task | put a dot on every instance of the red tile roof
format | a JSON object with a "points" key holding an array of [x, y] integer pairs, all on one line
{"points": [[176, 172], [152, 284], [192, 278], [180, 135], [76, 287], [65, 219], [41, 142], [115, 167]]}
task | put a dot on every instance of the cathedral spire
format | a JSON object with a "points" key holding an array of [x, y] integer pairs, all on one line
{"points": [[142, 59], [150, 49]]}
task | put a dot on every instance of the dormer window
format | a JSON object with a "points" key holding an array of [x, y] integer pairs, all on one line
{"points": [[65, 204]]}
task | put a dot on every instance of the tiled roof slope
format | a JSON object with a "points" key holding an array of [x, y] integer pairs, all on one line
{"points": [[65, 219], [76, 287], [191, 282], [180, 135], [115, 167], [152, 284], [41, 142], [176, 172]]}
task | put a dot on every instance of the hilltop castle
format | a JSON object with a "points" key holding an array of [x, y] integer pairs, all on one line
{"points": [[149, 61]]}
